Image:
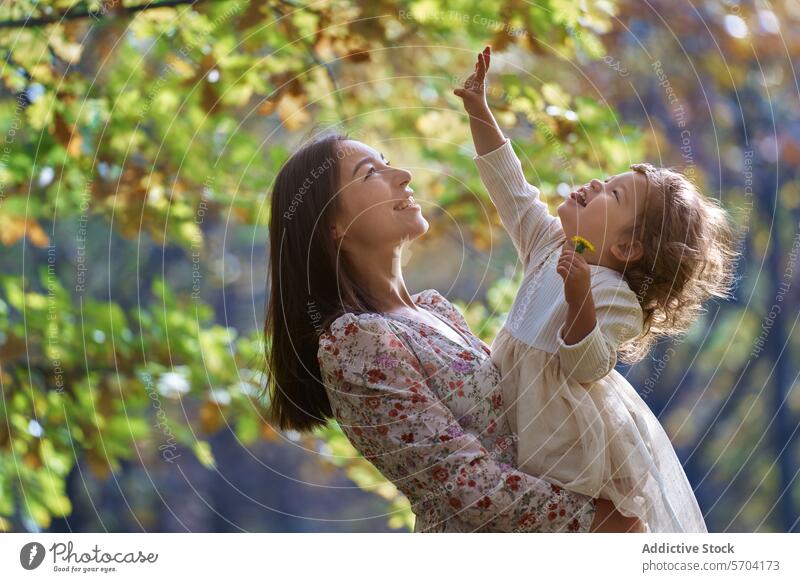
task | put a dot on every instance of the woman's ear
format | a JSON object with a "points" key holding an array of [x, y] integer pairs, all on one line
{"points": [[335, 232], [627, 251]]}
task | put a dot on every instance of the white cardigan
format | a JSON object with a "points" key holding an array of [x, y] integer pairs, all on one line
{"points": [[539, 310]]}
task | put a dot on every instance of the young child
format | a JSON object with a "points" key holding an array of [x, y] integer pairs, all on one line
{"points": [[649, 250]]}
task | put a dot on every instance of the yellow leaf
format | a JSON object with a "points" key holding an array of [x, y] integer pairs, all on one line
{"points": [[180, 67], [555, 95], [211, 418], [202, 451], [68, 51], [190, 231], [40, 112], [67, 135], [98, 465], [39, 513], [425, 10], [13, 228], [35, 301], [292, 111], [36, 234], [269, 434], [444, 125]]}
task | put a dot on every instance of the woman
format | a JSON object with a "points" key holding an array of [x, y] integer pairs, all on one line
{"points": [[412, 388]]}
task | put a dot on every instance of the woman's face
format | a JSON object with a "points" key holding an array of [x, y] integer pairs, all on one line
{"points": [[376, 208]]}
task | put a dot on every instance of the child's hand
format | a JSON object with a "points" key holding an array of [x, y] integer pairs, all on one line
{"points": [[574, 269], [473, 93]]}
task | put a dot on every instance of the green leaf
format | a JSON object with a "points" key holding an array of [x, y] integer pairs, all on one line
{"points": [[202, 450]]}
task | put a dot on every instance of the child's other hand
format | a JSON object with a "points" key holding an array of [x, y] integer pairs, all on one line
{"points": [[574, 270], [473, 93]]}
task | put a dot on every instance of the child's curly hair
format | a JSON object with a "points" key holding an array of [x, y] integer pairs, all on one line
{"points": [[688, 257]]}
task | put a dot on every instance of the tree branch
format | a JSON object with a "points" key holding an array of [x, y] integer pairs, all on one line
{"points": [[75, 15]]}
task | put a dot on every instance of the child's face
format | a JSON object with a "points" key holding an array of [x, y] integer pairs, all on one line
{"points": [[603, 212]]}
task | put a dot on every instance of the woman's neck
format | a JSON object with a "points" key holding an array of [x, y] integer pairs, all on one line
{"points": [[379, 273]]}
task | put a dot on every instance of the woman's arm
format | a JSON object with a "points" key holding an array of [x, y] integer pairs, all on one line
{"points": [[385, 407]]}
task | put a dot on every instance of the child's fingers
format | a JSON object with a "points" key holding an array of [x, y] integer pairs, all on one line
{"points": [[469, 85], [488, 52], [570, 267], [572, 255], [481, 68], [579, 259]]}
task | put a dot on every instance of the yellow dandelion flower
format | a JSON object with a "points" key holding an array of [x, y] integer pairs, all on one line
{"points": [[581, 244]]}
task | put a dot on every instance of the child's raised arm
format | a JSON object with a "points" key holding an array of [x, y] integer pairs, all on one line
{"points": [[486, 134], [524, 216]]}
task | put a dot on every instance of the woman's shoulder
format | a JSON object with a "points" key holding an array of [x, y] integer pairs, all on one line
{"points": [[352, 324], [361, 343], [353, 328], [430, 297], [438, 302], [359, 332]]}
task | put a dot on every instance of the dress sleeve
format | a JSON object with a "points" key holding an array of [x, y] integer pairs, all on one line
{"points": [[523, 214], [381, 399], [619, 319], [443, 306]]}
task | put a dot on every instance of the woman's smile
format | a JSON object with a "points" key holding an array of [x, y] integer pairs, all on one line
{"points": [[407, 204]]}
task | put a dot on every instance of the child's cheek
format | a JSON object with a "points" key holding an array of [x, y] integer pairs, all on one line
{"points": [[567, 221]]}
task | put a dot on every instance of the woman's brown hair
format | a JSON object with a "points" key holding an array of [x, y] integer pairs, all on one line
{"points": [[307, 291], [689, 257]]}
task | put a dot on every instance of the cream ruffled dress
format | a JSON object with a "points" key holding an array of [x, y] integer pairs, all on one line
{"points": [[579, 423]]}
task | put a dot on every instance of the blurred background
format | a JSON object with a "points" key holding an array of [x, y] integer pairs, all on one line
{"points": [[139, 145]]}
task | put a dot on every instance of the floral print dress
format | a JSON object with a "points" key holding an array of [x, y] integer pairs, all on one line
{"points": [[428, 413]]}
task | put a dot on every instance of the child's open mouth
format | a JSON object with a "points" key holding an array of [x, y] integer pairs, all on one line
{"points": [[579, 197]]}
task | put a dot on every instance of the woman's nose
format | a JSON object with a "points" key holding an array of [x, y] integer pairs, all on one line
{"points": [[596, 184], [403, 177]]}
